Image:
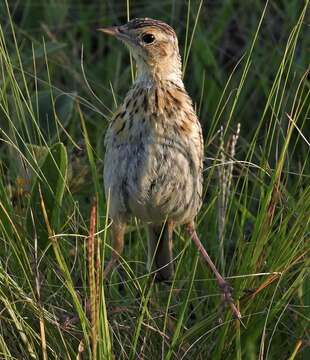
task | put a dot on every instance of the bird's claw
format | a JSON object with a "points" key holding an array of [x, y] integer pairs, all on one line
{"points": [[227, 299], [226, 292]]}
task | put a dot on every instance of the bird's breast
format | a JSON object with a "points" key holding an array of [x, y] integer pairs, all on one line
{"points": [[153, 158]]}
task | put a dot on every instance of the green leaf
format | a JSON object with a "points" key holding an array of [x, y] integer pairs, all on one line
{"points": [[49, 48], [51, 182], [5, 211], [39, 153], [53, 111]]}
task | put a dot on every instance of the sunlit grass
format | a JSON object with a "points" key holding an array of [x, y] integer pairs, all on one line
{"points": [[55, 100]]}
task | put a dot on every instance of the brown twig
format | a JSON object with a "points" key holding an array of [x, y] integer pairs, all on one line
{"points": [[92, 277]]}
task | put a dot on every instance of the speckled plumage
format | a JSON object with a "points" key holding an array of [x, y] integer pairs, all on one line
{"points": [[154, 145], [153, 161]]}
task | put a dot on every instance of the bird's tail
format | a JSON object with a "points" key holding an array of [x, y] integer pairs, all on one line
{"points": [[160, 250]]}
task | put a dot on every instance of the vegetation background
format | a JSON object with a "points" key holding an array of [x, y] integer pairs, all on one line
{"points": [[244, 63]]}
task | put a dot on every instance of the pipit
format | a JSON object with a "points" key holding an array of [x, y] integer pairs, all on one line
{"points": [[154, 150]]}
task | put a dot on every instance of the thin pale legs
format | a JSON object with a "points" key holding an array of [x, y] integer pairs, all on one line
{"points": [[224, 287]]}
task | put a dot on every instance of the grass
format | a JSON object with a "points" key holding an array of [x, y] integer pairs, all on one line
{"points": [[60, 82]]}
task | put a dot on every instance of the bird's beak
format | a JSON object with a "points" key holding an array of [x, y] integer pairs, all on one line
{"points": [[112, 30], [120, 32]]}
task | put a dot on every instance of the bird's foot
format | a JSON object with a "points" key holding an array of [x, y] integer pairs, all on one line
{"points": [[227, 299]]}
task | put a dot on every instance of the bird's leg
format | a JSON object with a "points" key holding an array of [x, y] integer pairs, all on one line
{"points": [[225, 288], [160, 250], [117, 235]]}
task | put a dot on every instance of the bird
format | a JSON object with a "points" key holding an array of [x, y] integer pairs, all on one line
{"points": [[153, 164]]}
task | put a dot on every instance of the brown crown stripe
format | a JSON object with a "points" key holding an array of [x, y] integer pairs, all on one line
{"points": [[141, 23]]}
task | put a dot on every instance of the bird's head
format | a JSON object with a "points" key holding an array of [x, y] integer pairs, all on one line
{"points": [[154, 46]]}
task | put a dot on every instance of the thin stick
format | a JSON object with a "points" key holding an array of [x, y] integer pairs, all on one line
{"points": [[223, 285], [92, 278]]}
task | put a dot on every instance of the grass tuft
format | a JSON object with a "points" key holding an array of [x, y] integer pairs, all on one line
{"points": [[60, 81]]}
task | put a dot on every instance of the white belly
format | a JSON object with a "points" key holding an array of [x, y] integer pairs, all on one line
{"points": [[152, 181]]}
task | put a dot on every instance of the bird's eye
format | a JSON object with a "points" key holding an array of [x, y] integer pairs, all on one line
{"points": [[148, 38]]}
